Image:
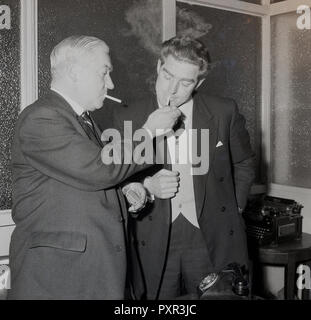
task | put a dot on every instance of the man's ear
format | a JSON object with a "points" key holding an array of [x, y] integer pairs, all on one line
{"points": [[199, 83], [72, 71], [159, 66]]}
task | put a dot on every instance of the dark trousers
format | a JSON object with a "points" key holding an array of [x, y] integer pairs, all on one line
{"points": [[187, 262]]}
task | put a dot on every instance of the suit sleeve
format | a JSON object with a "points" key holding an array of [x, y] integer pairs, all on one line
{"points": [[243, 158], [52, 145]]}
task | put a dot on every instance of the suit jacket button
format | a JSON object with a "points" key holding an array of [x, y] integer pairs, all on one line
{"points": [[221, 179], [118, 248], [143, 243], [231, 232], [223, 209], [150, 218]]}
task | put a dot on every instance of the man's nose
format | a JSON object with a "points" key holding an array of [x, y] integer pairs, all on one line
{"points": [[174, 87], [109, 84]]}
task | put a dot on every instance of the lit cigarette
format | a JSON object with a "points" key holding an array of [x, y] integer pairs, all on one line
{"points": [[168, 100], [113, 98]]}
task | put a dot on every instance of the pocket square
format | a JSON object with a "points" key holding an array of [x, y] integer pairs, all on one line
{"points": [[219, 144]]}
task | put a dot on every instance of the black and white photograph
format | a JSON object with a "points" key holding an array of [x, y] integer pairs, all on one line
{"points": [[155, 150]]}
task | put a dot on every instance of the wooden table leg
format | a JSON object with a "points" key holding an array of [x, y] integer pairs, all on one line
{"points": [[290, 277]]}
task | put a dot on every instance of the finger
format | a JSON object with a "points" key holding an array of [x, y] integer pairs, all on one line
{"points": [[175, 111], [166, 179], [169, 172], [141, 192], [168, 195], [167, 109], [170, 185], [170, 190]]}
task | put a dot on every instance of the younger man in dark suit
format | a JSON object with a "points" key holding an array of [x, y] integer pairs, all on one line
{"points": [[195, 224]]}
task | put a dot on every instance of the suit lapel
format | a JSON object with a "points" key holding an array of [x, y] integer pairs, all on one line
{"points": [[203, 119]]}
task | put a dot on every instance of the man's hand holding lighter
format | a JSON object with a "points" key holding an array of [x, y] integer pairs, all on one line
{"points": [[162, 120]]}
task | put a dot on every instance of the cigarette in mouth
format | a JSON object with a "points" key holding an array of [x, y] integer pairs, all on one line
{"points": [[113, 98], [168, 101]]}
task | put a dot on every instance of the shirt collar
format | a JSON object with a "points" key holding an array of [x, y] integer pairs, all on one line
{"points": [[74, 105]]}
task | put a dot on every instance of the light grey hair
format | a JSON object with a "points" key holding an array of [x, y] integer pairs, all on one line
{"points": [[70, 50]]}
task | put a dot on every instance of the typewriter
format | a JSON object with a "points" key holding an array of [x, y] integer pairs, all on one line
{"points": [[271, 220]]}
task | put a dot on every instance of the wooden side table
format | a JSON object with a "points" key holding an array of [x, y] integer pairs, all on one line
{"points": [[289, 254]]}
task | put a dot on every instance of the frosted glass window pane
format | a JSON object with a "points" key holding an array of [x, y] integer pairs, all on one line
{"points": [[9, 98], [131, 28], [291, 102], [234, 42]]}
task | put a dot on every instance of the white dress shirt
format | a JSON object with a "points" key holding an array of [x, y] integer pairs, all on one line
{"points": [[180, 151]]}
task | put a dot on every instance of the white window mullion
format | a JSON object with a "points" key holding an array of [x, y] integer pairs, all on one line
{"points": [[233, 6], [287, 6], [168, 19], [266, 94], [29, 52]]}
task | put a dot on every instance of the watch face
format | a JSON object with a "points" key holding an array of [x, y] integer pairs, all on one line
{"points": [[208, 281]]}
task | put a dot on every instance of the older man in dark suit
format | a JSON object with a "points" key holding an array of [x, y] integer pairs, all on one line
{"points": [[195, 224], [69, 237]]}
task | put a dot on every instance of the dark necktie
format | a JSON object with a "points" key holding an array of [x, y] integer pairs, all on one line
{"points": [[88, 125], [179, 126]]}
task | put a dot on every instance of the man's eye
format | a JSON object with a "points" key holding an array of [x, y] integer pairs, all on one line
{"points": [[186, 83], [167, 76]]}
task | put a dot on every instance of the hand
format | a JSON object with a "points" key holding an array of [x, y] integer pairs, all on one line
{"points": [[164, 184], [162, 120], [136, 196]]}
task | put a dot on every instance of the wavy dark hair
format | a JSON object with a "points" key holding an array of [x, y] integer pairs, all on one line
{"points": [[188, 49]]}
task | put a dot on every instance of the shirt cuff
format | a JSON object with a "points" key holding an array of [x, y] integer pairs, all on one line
{"points": [[150, 196], [149, 132]]}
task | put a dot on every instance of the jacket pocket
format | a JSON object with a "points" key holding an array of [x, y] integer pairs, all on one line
{"points": [[65, 240]]}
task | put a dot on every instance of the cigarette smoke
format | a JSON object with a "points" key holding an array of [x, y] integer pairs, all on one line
{"points": [[191, 24], [145, 20], [144, 17]]}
